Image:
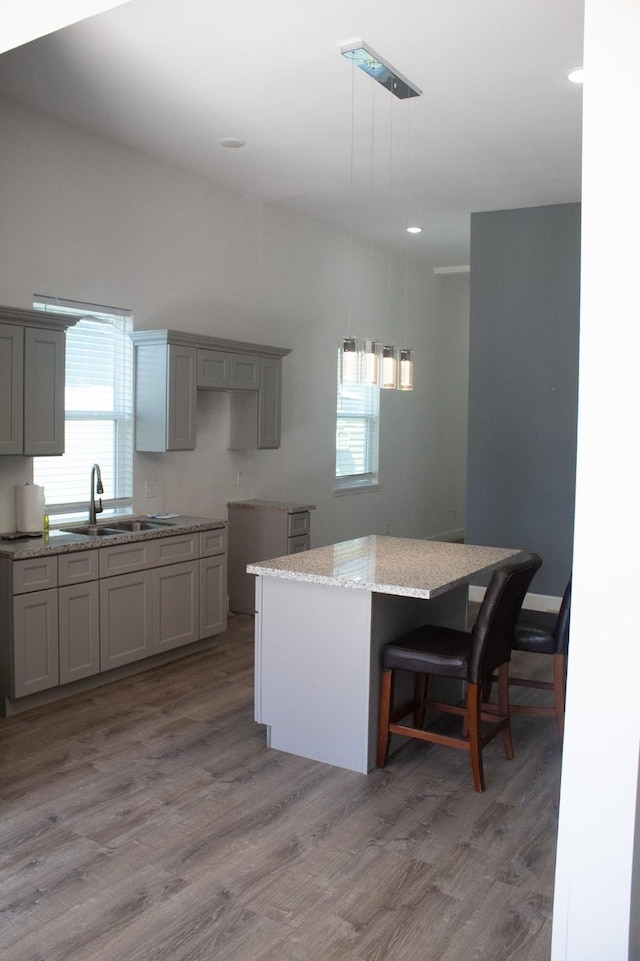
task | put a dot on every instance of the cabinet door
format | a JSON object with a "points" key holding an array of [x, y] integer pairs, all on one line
{"points": [[35, 642], [126, 619], [176, 592], [43, 391], [11, 388], [245, 371], [214, 369], [213, 595], [79, 631], [269, 403], [181, 399]]}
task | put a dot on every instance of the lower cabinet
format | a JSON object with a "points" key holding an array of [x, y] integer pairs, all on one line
{"points": [[126, 619], [79, 631], [72, 618], [213, 595], [176, 606], [35, 642]]}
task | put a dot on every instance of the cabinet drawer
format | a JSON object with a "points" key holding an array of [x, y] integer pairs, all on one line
{"points": [[125, 558], [298, 544], [298, 523], [78, 567], [182, 547], [213, 542], [35, 574]]}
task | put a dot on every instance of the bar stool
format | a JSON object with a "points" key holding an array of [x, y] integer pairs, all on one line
{"points": [[469, 656], [542, 632]]}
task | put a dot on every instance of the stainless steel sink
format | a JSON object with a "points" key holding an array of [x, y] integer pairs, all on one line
{"points": [[92, 530], [134, 527], [118, 527]]}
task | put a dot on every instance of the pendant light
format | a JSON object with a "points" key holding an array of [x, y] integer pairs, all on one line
{"points": [[389, 367], [351, 347], [405, 363], [389, 352], [369, 361]]}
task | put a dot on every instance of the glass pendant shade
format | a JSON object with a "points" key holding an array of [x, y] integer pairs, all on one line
{"points": [[350, 355], [405, 379], [389, 368], [372, 363]]}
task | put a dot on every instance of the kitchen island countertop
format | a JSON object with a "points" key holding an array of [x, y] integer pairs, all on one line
{"points": [[387, 565]]}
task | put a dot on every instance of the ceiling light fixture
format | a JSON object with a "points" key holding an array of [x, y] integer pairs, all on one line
{"points": [[414, 230], [232, 142], [373, 64], [576, 75]]}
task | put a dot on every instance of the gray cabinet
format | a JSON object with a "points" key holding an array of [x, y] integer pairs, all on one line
{"points": [[171, 366], [32, 357], [269, 406], [223, 370], [176, 606], [254, 419], [259, 530], [35, 642], [76, 614], [165, 387], [126, 619], [79, 631]]}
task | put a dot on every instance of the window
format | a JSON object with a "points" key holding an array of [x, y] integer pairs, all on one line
{"points": [[98, 410], [357, 429]]}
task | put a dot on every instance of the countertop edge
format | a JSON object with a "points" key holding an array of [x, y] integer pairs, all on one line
{"points": [[68, 543]]}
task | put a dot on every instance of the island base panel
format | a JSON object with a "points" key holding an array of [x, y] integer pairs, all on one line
{"points": [[317, 663]]}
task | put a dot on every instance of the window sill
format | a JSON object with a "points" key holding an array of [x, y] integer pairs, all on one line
{"points": [[356, 489]]}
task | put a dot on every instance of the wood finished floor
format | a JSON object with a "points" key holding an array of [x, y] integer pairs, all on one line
{"points": [[147, 821]]}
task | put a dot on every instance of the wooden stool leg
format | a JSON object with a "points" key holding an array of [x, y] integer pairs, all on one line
{"points": [[503, 708], [421, 684], [386, 701], [475, 748], [559, 684]]}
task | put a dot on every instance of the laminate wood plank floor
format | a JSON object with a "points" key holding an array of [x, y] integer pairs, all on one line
{"points": [[147, 820]]}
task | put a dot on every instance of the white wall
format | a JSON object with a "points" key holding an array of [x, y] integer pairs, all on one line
{"points": [[86, 220], [596, 899]]}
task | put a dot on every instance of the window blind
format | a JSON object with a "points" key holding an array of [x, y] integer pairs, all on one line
{"points": [[357, 433], [98, 410]]}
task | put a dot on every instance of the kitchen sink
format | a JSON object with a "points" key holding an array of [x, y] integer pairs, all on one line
{"points": [[93, 530], [118, 527], [133, 527]]}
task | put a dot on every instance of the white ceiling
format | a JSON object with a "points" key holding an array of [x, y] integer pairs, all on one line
{"points": [[497, 125]]}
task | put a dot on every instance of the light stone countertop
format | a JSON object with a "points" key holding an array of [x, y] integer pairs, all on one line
{"points": [[388, 565], [264, 505], [63, 542]]}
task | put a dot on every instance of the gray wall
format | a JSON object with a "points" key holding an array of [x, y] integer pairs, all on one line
{"points": [[523, 382]]}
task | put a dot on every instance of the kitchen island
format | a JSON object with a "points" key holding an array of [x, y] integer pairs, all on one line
{"points": [[323, 616]]}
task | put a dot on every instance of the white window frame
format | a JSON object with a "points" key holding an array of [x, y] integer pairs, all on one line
{"points": [[118, 496], [359, 403]]}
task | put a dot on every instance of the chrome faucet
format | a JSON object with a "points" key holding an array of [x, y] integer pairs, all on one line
{"points": [[99, 489]]}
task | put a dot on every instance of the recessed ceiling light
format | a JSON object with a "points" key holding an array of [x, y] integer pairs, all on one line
{"points": [[414, 230], [232, 142], [576, 75]]}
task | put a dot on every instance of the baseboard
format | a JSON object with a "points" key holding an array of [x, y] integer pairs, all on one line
{"points": [[452, 536], [532, 602]]}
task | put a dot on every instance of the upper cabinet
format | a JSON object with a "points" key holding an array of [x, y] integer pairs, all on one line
{"points": [[172, 365], [32, 348]]}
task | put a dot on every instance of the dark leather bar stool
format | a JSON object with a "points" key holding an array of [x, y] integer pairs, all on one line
{"points": [[469, 656], [541, 632]]}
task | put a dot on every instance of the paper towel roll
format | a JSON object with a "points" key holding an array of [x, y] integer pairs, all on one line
{"points": [[29, 508]]}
